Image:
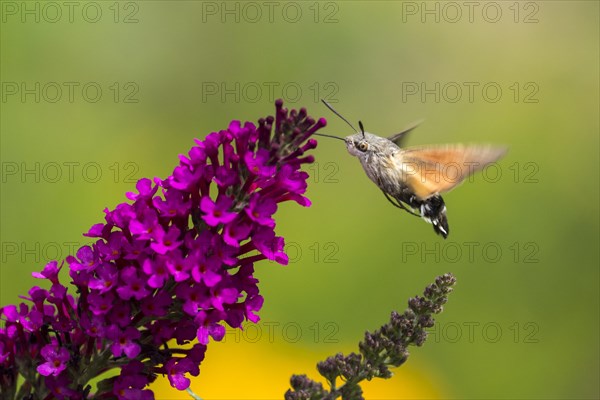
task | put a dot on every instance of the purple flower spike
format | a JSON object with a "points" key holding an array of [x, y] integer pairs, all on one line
{"points": [[172, 265]]}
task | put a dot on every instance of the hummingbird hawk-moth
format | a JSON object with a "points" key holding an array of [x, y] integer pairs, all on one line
{"points": [[414, 178]]}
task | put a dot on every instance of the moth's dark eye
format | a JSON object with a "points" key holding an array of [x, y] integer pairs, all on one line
{"points": [[362, 146]]}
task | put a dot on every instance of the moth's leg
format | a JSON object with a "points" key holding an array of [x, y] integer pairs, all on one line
{"points": [[399, 204], [391, 201]]}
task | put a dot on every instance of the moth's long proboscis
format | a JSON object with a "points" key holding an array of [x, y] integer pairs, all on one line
{"points": [[339, 115], [329, 136]]}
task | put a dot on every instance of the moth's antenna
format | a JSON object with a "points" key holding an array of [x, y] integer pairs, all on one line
{"points": [[339, 115], [329, 136], [362, 129]]}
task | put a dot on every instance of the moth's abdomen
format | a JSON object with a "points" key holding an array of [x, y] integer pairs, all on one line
{"points": [[433, 210], [390, 177]]}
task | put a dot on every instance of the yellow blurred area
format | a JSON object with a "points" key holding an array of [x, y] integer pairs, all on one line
{"points": [[261, 370]]}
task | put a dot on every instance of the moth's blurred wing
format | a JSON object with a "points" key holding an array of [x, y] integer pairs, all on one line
{"points": [[438, 169], [399, 137]]}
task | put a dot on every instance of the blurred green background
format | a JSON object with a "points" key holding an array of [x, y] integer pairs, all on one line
{"points": [[97, 95]]}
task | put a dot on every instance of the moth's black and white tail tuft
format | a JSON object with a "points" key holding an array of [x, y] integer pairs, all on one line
{"points": [[433, 210]]}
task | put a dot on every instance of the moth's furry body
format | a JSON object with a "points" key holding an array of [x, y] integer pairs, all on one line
{"points": [[384, 165], [413, 178]]}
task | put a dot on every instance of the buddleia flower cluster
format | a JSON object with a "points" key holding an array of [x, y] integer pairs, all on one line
{"points": [[381, 349], [167, 270]]}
